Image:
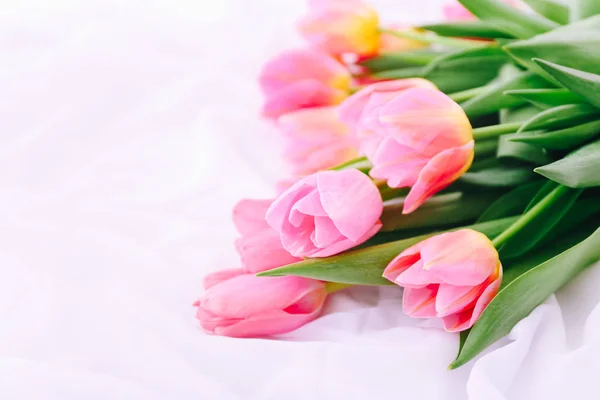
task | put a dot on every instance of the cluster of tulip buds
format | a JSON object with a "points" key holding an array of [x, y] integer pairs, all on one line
{"points": [[451, 160]]}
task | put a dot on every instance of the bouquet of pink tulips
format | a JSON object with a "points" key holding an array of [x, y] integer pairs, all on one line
{"points": [[459, 161]]}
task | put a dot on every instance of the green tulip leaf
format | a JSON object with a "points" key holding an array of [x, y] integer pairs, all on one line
{"points": [[466, 69], [561, 116], [365, 266], [518, 114], [585, 84], [527, 283], [470, 29], [581, 9], [562, 139], [550, 9], [522, 151], [391, 61], [579, 169], [575, 45], [493, 99], [511, 203], [500, 176], [547, 98], [441, 210], [544, 191], [556, 204], [400, 73], [509, 19]]}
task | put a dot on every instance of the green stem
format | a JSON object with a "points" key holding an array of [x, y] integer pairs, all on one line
{"points": [[400, 73], [467, 94], [529, 215], [332, 287], [486, 147], [432, 38], [358, 163], [493, 131]]}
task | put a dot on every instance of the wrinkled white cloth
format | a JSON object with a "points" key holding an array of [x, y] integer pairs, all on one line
{"points": [[128, 130]]}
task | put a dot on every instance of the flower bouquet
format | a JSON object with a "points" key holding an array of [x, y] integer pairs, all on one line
{"points": [[459, 161]]}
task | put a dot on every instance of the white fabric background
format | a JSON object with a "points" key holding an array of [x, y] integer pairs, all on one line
{"points": [[127, 132]]}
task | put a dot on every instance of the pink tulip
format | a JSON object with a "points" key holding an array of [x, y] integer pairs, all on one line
{"points": [[250, 306], [316, 139], [259, 247], [452, 276], [357, 110], [302, 79], [455, 11], [326, 213], [417, 138], [341, 27]]}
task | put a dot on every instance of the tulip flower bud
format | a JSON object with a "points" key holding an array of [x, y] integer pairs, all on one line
{"points": [[298, 79], [243, 305], [316, 139], [452, 276], [259, 247], [342, 27], [417, 138], [326, 213]]}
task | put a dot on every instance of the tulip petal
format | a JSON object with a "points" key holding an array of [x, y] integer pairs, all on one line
{"points": [[302, 94], [310, 205], [453, 299], [342, 194], [420, 302], [416, 276], [217, 277], [402, 262], [247, 295], [426, 120], [438, 173], [399, 165], [270, 323], [464, 320], [263, 251], [249, 215], [461, 258], [278, 213], [352, 108], [299, 64], [325, 233]]}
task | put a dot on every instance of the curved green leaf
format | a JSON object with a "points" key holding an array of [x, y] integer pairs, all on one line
{"points": [[471, 29], [365, 266], [502, 176], [522, 151], [552, 10], [527, 288], [581, 9], [579, 169], [560, 117], [493, 98], [547, 98], [401, 73], [509, 19], [585, 84], [538, 227], [575, 45], [562, 139], [465, 69], [387, 61], [445, 209], [511, 203]]}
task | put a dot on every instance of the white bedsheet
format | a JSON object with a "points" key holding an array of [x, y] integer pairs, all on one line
{"points": [[128, 129]]}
